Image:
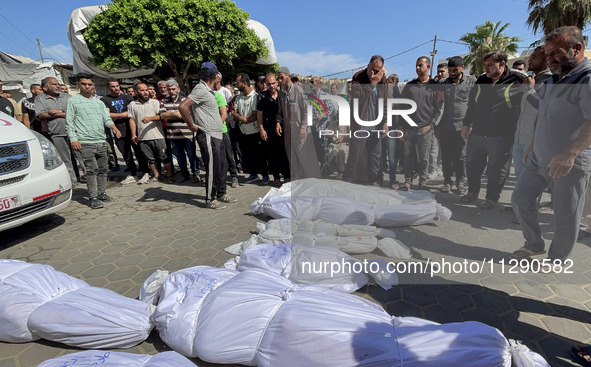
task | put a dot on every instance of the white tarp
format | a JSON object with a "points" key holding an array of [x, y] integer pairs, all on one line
{"points": [[81, 18], [341, 210], [19, 77], [79, 21], [349, 238], [39, 302], [118, 359], [258, 318], [263, 33], [308, 265]]}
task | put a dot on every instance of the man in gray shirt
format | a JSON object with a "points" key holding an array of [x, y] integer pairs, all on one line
{"points": [[560, 155], [200, 112], [52, 106]]}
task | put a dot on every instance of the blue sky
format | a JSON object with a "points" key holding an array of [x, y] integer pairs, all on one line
{"points": [[311, 37]]}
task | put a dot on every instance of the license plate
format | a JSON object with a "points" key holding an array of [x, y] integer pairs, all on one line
{"points": [[9, 203]]}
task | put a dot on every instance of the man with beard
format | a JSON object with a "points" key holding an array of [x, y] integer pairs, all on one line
{"points": [[267, 108], [179, 135], [529, 107], [489, 126], [51, 106], [456, 88], [146, 130], [117, 104], [559, 156], [293, 126], [251, 145], [368, 86]]}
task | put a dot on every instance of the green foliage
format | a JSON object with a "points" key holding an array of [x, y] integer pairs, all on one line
{"points": [[488, 37], [179, 34], [547, 15]]}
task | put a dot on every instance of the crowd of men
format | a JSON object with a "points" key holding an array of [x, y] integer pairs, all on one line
{"points": [[539, 119], [464, 126]]}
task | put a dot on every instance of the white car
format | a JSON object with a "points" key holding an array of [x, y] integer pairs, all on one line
{"points": [[34, 181]]}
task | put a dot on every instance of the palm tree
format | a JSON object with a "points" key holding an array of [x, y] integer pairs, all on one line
{"points": [[488, 37], [547, 15]]}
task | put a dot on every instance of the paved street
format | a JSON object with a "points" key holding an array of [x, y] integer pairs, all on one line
{"points": [[162, 226]]}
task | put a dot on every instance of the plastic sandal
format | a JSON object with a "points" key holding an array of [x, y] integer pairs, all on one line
{"points": [[461, 189], [525, 253]]}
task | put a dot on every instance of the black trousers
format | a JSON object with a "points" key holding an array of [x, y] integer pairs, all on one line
{"points": [[276, 154], [230, 155], [492, 153], [127, 148], [254, 159], [453, 155], [214, 159]]}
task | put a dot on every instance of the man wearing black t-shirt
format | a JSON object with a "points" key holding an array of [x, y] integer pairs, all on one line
{"points": [[267, 108], [28, 107], [117, 103]]}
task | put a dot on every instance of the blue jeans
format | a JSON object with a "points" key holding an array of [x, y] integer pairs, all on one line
{"points": [[179, 148]]}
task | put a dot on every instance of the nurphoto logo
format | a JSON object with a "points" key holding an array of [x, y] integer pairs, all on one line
{"points": [[393, 106]]}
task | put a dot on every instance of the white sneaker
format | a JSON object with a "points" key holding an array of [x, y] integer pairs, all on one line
{"points": [[128, 180], [145, 179]]}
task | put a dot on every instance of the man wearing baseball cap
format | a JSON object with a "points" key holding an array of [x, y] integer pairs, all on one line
{"points": [[208, 126]]}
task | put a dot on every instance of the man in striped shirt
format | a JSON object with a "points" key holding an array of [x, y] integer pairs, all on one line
{"points": [[179, 134]]}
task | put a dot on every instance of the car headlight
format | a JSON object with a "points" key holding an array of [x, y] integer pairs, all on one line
{"points": [[51, 158]]}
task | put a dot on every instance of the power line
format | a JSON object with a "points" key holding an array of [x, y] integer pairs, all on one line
{"points": [[11, 40], [386, 58], [456, 42], [29, 38]]}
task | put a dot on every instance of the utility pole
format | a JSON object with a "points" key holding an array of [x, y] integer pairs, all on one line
{"points": [[433, 53], [40, 53]]}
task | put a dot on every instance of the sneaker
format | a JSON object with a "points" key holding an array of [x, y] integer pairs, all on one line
{"points": [[105, 198], [214, 204], [235, 182], [128, 180], [95, 203], [265, 180], [251, 178], [145, 179], [82, 179], [227, 199], [276, 183]]}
